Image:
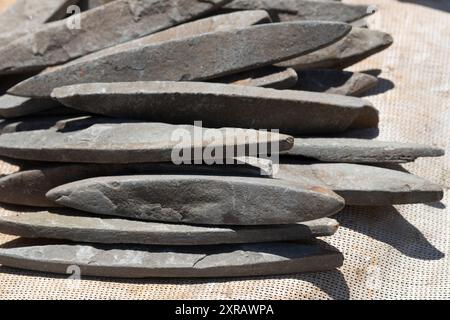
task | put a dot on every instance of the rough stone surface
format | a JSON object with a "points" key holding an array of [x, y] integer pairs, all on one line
{"points": [[358, 45], [104, 140], [102, 27], [335, 81], [203, 57], [209, 200], [363, 185], [31, 123], [294, 10], [29, 187], [25, 16], [12, 106], [78, 227], [293, 112], [126, 261], [361, 150], [268, 77]]}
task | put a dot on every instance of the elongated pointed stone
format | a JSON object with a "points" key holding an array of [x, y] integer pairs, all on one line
{"points": [[99, 28], [15, 188], [210, 55], [125, 261], [335, 81], [363, 185], [12, 106], [357, 46], [79, 227], [223, 22], [103, 140], [208, 200], [361, 150], [294, 112], [294, 10], [268, 77]]}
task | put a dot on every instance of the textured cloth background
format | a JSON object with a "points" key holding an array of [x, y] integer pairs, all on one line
{"points": [[397, 252]]}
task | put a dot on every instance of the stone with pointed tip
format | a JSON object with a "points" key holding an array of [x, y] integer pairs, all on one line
{"points": [[104, 140], [208, 200], [15, 188], [358, 45], [360, 150], [294, 10], [210, 56], [12, 106], [268, 77], [79, 227], [293, 112], [335, 81], [117, 22], [362, 185], [223, 22], [128, 261]]}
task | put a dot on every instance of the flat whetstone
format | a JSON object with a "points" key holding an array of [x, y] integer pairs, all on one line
{"points": [[208, 200], [12, 106], [202, 57], [83, 228], [117, 22], [29, 187], [167, 262], [220, 105], [268, 77], [358, 45], [361, 150], [102, 140], [362, 185], [335, 82]]}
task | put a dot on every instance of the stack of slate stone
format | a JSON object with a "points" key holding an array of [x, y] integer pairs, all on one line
{"points": [[93, 103]]}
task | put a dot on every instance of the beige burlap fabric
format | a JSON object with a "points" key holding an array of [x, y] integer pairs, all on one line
{"points": [[391, 253]]}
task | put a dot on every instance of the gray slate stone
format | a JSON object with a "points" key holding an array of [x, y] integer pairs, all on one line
{"points": [[79, 227], [361, 150], [217, 105], [223, 22], [268, 77], [335, 81], [125, 261], [103, 27], [15, 188], [357, 46], [103, 140], [31, 123], [13, 106], [295, 10], [209, 200], [363, 185], [202, 57]]}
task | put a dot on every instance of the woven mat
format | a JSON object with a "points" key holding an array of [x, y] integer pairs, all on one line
{"points": [[397, 252]]}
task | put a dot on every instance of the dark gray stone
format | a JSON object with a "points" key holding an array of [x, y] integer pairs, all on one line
{"points": [[78, 227], [220, 105], [12, 106], [15, 188], [268, 77], [295, 10], [363, 185], [335, 81], [361, 150], [117, 22], [125, 261], [209, 200], [358, 45], [104, 140], [202, 57]]}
